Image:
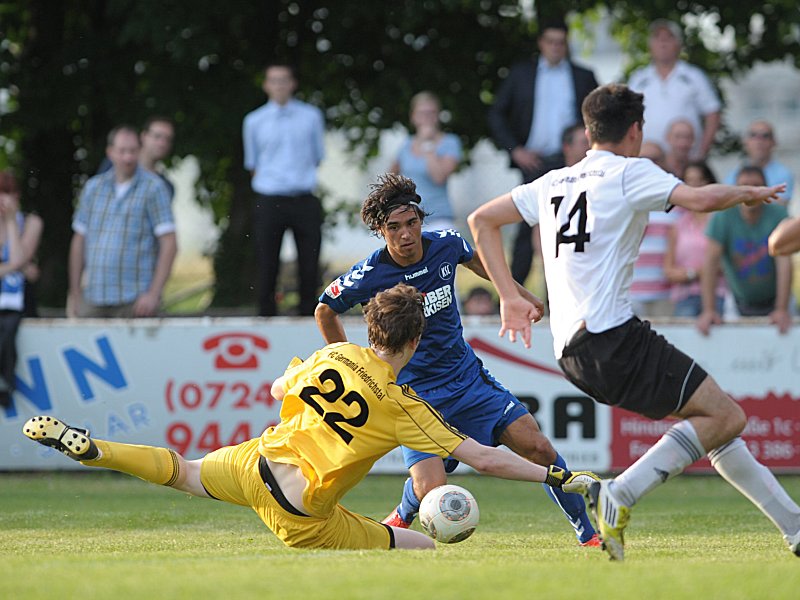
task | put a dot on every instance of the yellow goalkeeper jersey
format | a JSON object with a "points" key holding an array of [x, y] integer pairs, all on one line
{"points": [[341, 412]]}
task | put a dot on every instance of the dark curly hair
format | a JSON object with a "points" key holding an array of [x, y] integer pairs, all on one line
{"points": [[390, 192], [395, 317]]}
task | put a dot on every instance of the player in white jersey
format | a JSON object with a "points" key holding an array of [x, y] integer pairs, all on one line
{"points": [[786, 237], [591, 217]]}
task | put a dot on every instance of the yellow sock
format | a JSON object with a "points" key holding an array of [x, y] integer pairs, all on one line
{"points": [[156, 465]]}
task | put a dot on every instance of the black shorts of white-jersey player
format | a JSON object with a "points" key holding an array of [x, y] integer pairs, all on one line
{"points": [[591, 219], [392, 211]]}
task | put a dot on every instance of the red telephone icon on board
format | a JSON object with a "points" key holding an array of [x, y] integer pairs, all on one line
{"points": [[236, 350]]}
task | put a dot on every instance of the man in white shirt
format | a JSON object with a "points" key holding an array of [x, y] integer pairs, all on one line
{"points": [[591, 218], [673, 89]]}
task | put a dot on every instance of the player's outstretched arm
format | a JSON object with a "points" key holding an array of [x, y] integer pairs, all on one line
{"points": [[716, 196], [516, 313], [329, 324], [507, 465], [785, 239]]}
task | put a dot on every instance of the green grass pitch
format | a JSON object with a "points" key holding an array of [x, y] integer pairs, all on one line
{"points": [[103, 535]]}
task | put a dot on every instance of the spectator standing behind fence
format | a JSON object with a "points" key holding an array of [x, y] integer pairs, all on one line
{"points": [[429, 157], [654, 152], [283, 146], [759, 144], [123, 237], [574, 144], [156, 139], [650, 287], [479, 302], [761, 285], [534, 104], [19, 239], [680, 140], [686, 250], [673, 89]]}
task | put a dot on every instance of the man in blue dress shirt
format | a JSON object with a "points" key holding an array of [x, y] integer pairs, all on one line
{"points": [[444, 370], [283, 146]]}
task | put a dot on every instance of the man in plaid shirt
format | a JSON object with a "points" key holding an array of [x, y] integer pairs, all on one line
{"points": [[124, 237]]}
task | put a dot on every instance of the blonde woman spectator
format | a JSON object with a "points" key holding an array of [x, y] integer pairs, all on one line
{"points": [[429, 156]]}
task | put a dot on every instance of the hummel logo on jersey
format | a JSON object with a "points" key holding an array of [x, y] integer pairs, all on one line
{"points": [[437, 299], [416, 274]]}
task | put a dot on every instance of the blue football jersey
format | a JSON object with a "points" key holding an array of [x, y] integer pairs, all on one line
{"points": [[439, 357]]}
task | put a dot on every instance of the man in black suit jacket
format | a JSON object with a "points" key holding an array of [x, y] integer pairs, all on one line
{"points": [[531, 132]]}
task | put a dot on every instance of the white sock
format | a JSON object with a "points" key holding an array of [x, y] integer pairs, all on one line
{"points": [[757, 483], [676, 450]]}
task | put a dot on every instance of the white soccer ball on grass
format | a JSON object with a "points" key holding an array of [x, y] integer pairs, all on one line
{"points": [[449, 514]]}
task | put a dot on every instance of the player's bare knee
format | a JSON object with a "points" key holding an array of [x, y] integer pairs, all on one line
{"points": [[407, 539], [525, 438], [544, 449], [188, 479], [735, 419], [426, 482], [537, 449]]}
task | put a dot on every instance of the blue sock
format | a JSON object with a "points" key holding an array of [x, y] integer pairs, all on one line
{"points": [[572, 505], [409, 505]]}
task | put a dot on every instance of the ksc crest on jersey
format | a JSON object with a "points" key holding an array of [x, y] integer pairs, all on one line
{"points": [[446, 271]]}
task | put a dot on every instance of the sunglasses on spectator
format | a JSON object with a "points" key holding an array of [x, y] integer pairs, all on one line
{"points": [[762, 135]]}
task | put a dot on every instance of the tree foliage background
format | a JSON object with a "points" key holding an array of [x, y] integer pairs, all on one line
{"points": [[71, 70]]}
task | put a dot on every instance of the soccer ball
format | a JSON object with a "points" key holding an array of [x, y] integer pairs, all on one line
{"points": [[449, 514]]}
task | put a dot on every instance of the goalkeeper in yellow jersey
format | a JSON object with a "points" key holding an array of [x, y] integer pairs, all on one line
{"points": [[342, 410]]}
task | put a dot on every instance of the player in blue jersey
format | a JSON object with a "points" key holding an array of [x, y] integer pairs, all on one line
{"points": [[445, 370]]}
